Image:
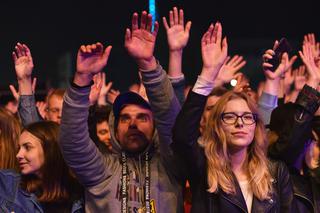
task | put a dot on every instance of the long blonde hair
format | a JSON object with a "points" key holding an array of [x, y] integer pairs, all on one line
{"points": [[9, 135], [214, 141]]}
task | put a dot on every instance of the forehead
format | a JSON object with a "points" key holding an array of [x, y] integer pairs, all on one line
{"points": [[237, 105], [103, 125], [55, 100], [132, 109], [28, 137]]}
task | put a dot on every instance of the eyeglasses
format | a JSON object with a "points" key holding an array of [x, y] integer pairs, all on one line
{"points": [[247, 118]]}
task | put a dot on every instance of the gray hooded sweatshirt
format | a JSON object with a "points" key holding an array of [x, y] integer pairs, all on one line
{"points": [[101, 174]]}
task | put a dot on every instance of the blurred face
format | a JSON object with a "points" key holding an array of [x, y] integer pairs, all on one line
{"points": [[54, 109], [135, 128], [30, 155], [211, 101], [239, 132], [103, 133]]}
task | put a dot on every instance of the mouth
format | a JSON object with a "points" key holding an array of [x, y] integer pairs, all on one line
{"points": [[239, 134]]}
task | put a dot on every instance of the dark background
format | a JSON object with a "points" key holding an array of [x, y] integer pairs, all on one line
{"points": [[54, 30]]}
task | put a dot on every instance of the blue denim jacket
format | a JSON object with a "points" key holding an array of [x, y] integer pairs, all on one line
{"points": [[14, 199]]}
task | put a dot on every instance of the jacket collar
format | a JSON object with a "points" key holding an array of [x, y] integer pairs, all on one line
{"points": [[257, 205]]}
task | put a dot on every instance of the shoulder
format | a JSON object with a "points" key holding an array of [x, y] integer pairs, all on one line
{"points": [[278, 169], [8, 174]]}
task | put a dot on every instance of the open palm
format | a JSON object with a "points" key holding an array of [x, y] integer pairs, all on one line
{"points": [[92, 59]]}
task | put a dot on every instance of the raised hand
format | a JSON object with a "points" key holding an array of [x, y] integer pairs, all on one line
{"points": [[42, 108], [23, 62], [95, 88], [214, 51], [140, 41], [299, 78], [315, 46], [309, 59], [91, 59], [177, 33], [229, 69], [283, 66], [112, 95], [288, 75]]}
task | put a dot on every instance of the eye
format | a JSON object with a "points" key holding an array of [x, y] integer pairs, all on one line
{"points": [[248, 117], [124, 119], [103, 132], [229, 116], [143, 118]]}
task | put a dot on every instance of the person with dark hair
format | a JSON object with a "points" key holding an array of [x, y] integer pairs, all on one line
{"points": [[45, 178], [99, 128]]}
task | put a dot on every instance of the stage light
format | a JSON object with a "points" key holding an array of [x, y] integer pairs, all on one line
{"points": [[153, 11]]}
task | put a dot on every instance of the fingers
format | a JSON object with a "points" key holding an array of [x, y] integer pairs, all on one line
{"points": [[149, 23], [128, 35], [206, 38], [143, 20], [34, 84], [165, 23], [21, 50], [14, 92], [134, 22], [93, 48], [188, 27], [181, 17], [175, 15], [275, 45], [225, 47], [219, 33], [175, 18], [171, 18], [107, 52], [155, 29]]}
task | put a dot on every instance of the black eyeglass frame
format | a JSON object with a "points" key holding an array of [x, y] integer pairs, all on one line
{"points": [[254, 115]]}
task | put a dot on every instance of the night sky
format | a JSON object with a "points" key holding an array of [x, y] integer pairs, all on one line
{"points": [[54, 30]]}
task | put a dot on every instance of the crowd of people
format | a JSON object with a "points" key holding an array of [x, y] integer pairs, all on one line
{"points": [[162, 146]]}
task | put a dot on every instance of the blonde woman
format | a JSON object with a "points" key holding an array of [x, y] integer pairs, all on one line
{"points": [[227, 167]]}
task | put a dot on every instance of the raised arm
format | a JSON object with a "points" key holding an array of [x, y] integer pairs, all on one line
{"points": [[79, 151], [177, 36], [268, 99], [163, 101], [23, 64], [186, 128], [292, 139]]}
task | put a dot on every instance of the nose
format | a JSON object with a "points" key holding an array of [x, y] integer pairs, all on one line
{"points": [[19, 155], [239, 122], [133, 124]]}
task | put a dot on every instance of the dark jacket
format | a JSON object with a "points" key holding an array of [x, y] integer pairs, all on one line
{"points": [[293, 126], [185, 145]]}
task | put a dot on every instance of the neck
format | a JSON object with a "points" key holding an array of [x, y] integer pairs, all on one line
{"points": [[238, 158]]}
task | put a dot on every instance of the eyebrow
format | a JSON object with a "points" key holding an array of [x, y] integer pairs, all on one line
{"points": [[139, 114], [26, 143]]}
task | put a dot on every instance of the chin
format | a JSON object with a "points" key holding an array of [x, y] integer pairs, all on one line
{"points": [[240, 144]]}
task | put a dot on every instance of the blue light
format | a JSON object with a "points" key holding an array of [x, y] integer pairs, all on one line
{"points": [[152, 11]]}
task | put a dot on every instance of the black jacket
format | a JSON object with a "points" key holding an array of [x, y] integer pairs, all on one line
{"points": [[185, 145], [294, 132]]}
